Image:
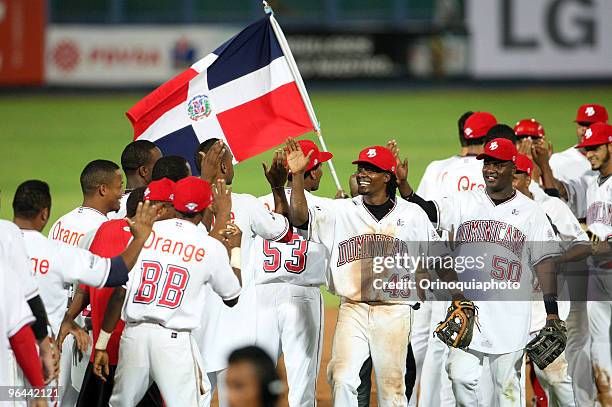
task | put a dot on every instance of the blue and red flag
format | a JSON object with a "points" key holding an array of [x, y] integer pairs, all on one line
{"points": [[244, 93]]}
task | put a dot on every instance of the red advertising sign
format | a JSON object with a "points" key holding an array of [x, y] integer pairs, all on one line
{"points": [[22, 35]]}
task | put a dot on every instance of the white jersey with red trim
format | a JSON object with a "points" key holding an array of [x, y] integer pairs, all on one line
{"points": [[451, 175], [166, 285], [75, 228], [355, 238], [428, 187], [510, 239], [298, 261], [599, 207], [224, 328], [569, 232], [573, 169], [56, 266], [14, 315], [14, 257]]}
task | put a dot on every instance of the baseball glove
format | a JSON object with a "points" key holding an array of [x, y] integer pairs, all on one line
{"points": [[548, 344], [457, 329]]}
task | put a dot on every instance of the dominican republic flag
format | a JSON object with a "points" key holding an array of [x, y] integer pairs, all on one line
{"points": [[244, 93]]}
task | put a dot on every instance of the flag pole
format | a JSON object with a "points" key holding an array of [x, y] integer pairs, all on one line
{"points": [[301, 87]]}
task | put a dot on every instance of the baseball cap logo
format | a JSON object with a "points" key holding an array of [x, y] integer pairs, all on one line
{"points": [[493, 146], [171, 196], [147, 192], [588, 133], [468, 131], [316, 161], [590, 111], [371, 153], [191, 206]]}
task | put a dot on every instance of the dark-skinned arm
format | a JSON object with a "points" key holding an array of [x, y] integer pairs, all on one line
{"points": [[277, 178], [547, 277], [540, 152], [297, 163], [111, 317]]}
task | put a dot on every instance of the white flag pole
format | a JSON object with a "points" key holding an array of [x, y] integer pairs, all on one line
{"points": [[301, 87]]}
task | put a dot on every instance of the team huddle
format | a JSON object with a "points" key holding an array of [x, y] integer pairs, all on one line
{"points": [[175, 287]]}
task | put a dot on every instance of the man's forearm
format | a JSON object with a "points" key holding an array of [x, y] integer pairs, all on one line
{"points": [[298, 210], [405, 189], [131, 253], [550, 182], [547, 277], [80, 301], [281, 205], [113, 309]]}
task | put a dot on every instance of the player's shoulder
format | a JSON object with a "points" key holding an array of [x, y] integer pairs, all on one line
{"points": [[9, 227]]}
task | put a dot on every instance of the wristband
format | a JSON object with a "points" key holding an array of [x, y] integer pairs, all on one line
{"points": [[550, 303], [235, 258], [102, 341]]}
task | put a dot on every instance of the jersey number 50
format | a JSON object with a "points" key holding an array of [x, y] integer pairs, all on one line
{"points": [[175, 281], [295, 264]]}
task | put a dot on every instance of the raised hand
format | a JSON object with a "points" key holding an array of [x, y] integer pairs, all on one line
{"points": [[402, 166], [232, 235], [296, 160], [277, 173], [540, 152], [210, 161], [222, 198], [142, 224]]}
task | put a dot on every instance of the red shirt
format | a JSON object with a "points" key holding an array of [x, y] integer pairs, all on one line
{"points": [[110, 240]]}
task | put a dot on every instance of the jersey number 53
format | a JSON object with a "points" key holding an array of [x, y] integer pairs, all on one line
{"points": [[174, 278], [296, 263]]}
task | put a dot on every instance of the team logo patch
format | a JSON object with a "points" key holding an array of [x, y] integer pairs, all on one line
{"points": [[371, 153], [199, 107], [589, 111], [515, 211], [493, 146], [468, 131], [588, 133], [400, 222], [191, 206]]}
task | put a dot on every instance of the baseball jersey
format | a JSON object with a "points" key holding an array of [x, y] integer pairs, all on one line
{"points": [[122, 212], [511, 239], [297, 262], [573, 169], [354, 238], [56, 265], [13, 255], [569, 233], [14, 315], [226, 329], [75, 227], [428, 187], [166, 284], [110, 240]]}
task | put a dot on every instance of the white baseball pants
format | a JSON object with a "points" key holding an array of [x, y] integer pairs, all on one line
{"points": [[290, 322], [600, 329], [419, 339], [557, 383], [465, 372], [149, 352], [381, 331]]}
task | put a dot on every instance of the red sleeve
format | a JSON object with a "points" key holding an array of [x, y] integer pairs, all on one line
{"points": [[24, 348]]}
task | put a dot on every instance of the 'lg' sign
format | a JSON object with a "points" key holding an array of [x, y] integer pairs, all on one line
{"points": [[583, 30]]}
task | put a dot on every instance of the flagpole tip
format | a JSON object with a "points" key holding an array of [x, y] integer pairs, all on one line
{"points": [[267, 8]]}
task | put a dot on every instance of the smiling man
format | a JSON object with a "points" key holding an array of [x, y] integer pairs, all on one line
{"points": [[514, 233], [369, 323]]}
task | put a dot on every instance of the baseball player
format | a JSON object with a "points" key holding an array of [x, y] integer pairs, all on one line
{"points": [[137, 161], [252, 379], [16, 337], [500, 341], [367, 326], [225, 329], [570, 167], [57, 264], [102, 186], [14, 257], [163, 302], [555, 378], [289, 301]]}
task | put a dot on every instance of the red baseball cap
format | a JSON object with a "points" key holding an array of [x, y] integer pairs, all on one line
{"points": [[596, 135], [192, 195], [524, 164], [499, 149], [591, 113], [379, 156], [161, 190], [317, 156], [478, 124], [528, 127]]}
